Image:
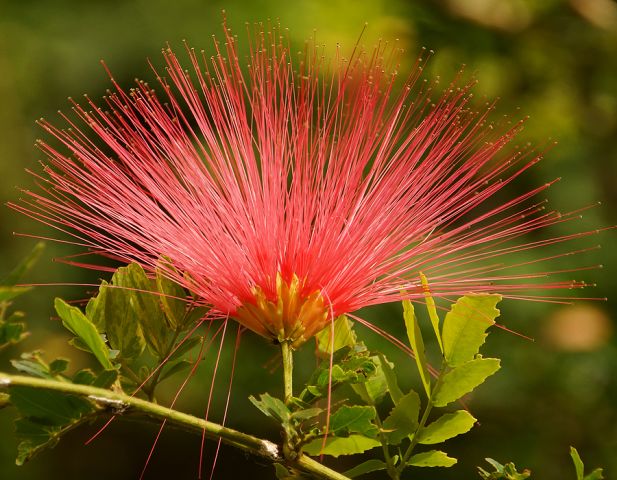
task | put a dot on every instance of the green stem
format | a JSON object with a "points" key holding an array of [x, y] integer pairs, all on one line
{"points": [[290, 451], [121, 403], [424, 419], [288, 366], [391, 469], [151, 386]]}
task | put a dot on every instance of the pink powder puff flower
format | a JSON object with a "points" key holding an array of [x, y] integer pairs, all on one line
{"points": [[289, 192]]}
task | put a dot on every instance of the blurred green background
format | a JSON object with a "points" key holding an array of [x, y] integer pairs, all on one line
{"points": [[555, 59]]}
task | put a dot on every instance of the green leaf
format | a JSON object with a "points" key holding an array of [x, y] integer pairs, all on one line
{"points": [[281, 472], [344, 336], [105, 379], [432, 458], [351, 365], [11, 333], [354, 419], [465, 325], [185, 347], [9, 293], [172, 298], [503, 472], [578, 463], [34, 437], [174, 368], [305, 414], [58, 366], [95, 309], [432, 309], [31, 363], [403, 418], [417, 344], [24, 266], [463, 379], [447, 426], [84, 377], [144, 305], [597, 474], [388, 370], [336, 446], [374, 388], [122, 319], [369, 466], [272, 407], [47, 406], [84, 329]]}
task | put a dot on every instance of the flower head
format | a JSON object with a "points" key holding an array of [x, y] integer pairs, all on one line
{"points": [[289, 191]]}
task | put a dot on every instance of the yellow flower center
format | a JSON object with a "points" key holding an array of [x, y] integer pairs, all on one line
{"points": [[292, 316]]}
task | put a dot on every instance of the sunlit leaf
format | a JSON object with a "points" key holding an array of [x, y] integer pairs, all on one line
{"points": [[417, 344], [31, 363], [354, 419], [84, 329], [172, 299], [503, 472], [337, 446], [272, 407], [344, 336], [144, 306], [95, 308], [597, 474], [306, 413], [390, 376], [433, 458], [432, 309], [403, 419], [31, 368], [372, 465], [351, 365], [463, 379], [122, 324], [578, 463], [465, 325], [447, 426]]}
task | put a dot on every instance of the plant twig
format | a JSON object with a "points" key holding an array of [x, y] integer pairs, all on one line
{"points": [[122, 403], [424, 419], [288, 366]]}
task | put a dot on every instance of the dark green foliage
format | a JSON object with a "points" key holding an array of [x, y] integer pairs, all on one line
{"points": [[596, 474], [509, 471], [44, 417], [12, 329], [137, 339], [503, 472]]}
